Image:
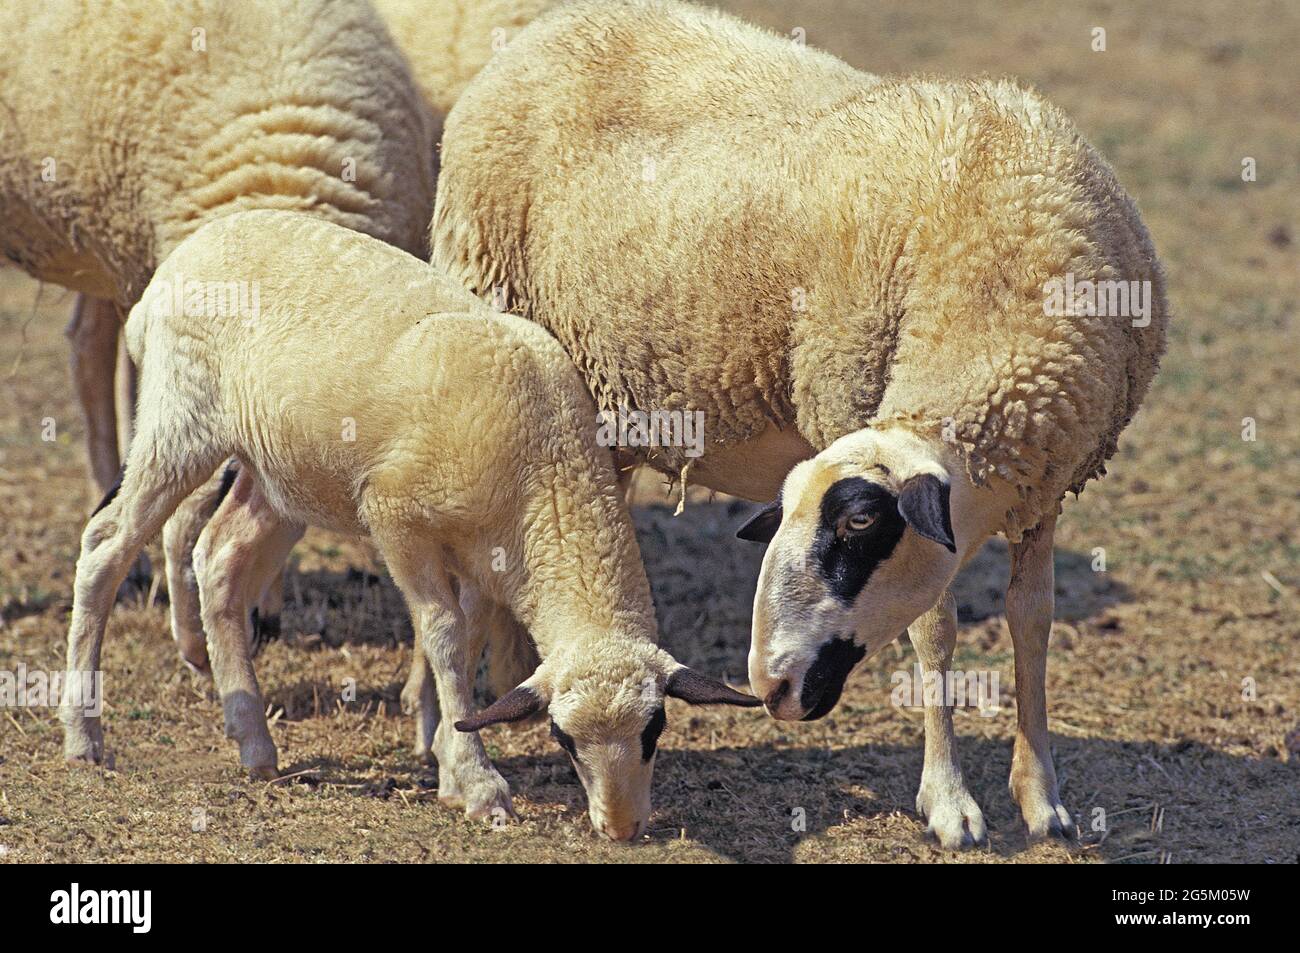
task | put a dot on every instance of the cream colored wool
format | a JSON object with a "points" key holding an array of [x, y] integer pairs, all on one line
{"points": [[126, 125], [710, 217], [447, 42], [371, 395]]}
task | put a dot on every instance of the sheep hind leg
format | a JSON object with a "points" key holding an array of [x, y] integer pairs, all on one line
{"points": [[420, 699], [180, 536], [94, 333], [157, 477], [1030, 604], [242, 538], [943, 800]]}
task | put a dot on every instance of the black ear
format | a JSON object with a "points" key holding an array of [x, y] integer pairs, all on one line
{"points": [[923, 503], [762, 526], [512, 706], [696, 689]]}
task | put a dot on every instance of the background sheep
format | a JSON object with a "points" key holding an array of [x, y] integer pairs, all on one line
{"points": [[447, 42], [710, 217], [458, 440], [125, 126]]}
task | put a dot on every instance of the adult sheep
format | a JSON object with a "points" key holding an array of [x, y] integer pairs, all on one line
{"points": [[447, 42], [127, 125], [832, 266]]}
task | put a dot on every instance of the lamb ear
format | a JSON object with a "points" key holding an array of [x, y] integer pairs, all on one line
{"points": [[762, 526], [923, 503], [696, 689], [515, 704]]}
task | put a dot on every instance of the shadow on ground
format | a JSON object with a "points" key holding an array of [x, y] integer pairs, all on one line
{"points": [[741, 803]]}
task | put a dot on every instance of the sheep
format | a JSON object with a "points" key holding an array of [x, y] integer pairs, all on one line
{"points": [[853, 277], [125, 126], [462, 442], [447, 42]]}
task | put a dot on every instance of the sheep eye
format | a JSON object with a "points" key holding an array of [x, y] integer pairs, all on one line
{"points": [[564, 740], [859, 522]]}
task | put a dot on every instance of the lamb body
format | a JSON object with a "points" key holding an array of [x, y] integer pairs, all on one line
{"points": [[370, 395], [830, 265]]}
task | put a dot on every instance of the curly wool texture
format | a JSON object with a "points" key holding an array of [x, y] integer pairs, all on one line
{"points": [[126, 125], [710, 217]]}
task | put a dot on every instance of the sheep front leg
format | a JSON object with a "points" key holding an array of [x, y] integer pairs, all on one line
{"points": [[243, 536], [1030, 604], [466, 775], [943, 800]]}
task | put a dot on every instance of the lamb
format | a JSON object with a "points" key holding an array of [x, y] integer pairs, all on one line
{"points": [[861, 273], [461, 441]]}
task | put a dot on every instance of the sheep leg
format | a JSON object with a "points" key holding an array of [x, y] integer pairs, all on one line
{"points": [[466, 775], [180, 536], [1030, 604], [420, 698], [451, 646], [93, 333], [127, 386], [112, 539], [243, 536], [943, 800]]}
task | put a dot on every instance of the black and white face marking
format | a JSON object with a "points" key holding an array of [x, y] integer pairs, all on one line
{"points": [[823, 683], [650, 737], [564, 740], [860, 526]]}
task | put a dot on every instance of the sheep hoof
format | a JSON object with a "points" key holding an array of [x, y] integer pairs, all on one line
{"points": [[1047, 818], [83, 741], [263, 772], [954, 819], [486, 798], [198, 666], [258, 756]]}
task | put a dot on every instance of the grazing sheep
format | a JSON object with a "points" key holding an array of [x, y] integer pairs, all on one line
{"points": [[125, 126], [462, 442], [713, 218]]}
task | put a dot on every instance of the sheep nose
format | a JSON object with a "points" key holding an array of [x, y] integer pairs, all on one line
{"points": [[776, 695], [622, 831]]}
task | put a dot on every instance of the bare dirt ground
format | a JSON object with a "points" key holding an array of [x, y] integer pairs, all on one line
{"points": [[1174, 677]]}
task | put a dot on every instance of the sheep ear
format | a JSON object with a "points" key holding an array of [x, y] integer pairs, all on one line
{"points": [[762, 526], [696, 689], [512, 706], [923, 503]]}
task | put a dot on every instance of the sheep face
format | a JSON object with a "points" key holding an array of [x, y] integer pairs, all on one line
{"points": [[860, 544], [606, 703]]}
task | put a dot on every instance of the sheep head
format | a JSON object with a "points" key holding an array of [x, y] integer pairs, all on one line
{"points": [[606, 702], [860, 543]]}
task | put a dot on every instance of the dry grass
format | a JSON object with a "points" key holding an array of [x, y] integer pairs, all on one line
{"points": [[1148, 659]]}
